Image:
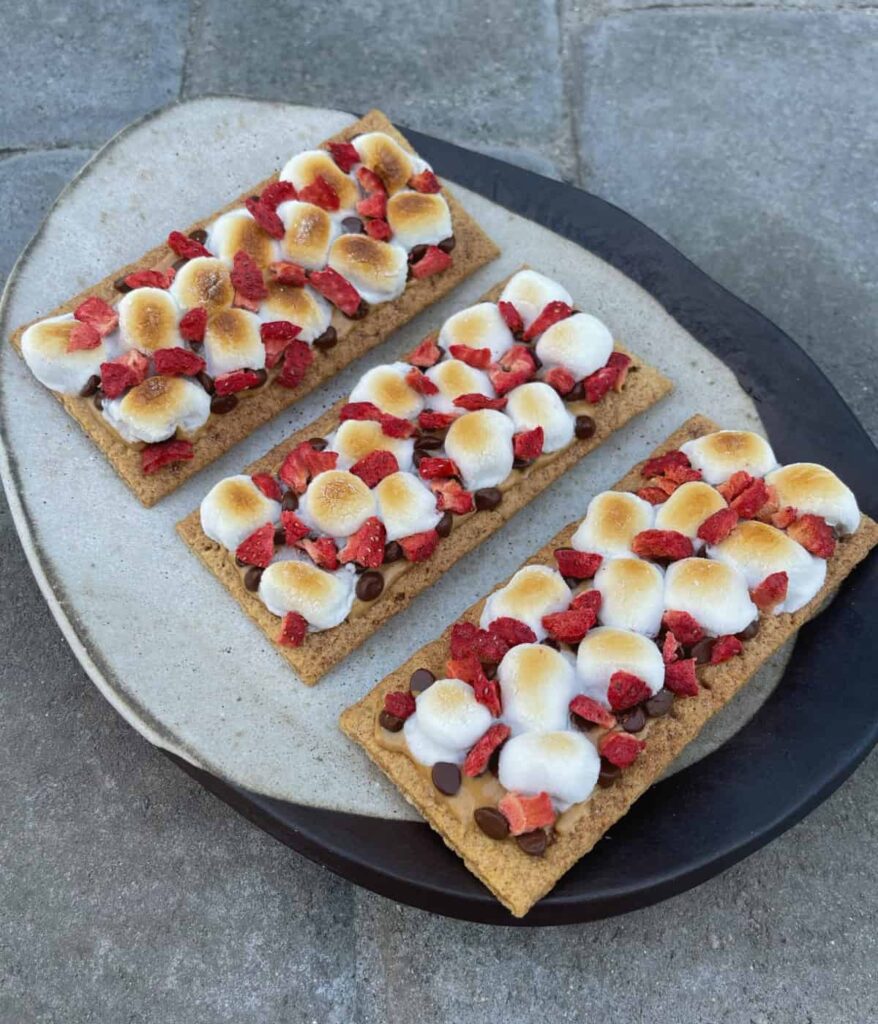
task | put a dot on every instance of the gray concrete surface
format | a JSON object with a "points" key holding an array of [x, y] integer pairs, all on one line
{"points": [[746, 136]]}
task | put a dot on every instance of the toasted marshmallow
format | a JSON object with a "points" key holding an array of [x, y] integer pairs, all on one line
{"points": [[237, 230], [631, 595], [447, 722], [232, 342], [355, 439], [537, 405], [301, 306], [378, 270], [534, 591], [305, 168], [479, 326], [381, 154], [204, 281], [581, 344], [816, 490], [337, 503], [455, 378], [386, 387], [233, 509], [757, 550], [481, 445], [536, 685], [713, 593], [323, 599], [612, 521], [406, 505], [687, 508], [418, 219], [156, 409], [530, 292], [563, 764], [148, 320], [308, 233], [724, 452], [44, 347], [605, 650]]}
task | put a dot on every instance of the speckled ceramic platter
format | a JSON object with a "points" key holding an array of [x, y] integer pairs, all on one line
{"points": [[169, 649]]}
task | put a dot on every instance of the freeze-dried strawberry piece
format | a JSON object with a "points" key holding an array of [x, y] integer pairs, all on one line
{"points": [[814, 534], [527, 813], [268, 485], [420, 382], [374, 205], [551, 314], [480, 358], [671, 648], [659, 465], [344, 154], [292, 630], [294, 529], [465, 667], [431, 468], [193, 324], [515, 366], [783, 517], [322, 552], [512, 631], [276, 335], [303, 463], [487, 692], [587, 600], [667, 544], [621, 363], [426, 354], [369, 180], [419, 546], [580, 565], [115, 378], [360, 411], [247, 278], [591, 711], [375, 466], [399, 703], [434, 261], [528, 445], [278, 192], [436, 420], [98, 314], [718, 526], [748, 503], [511, 316], [488, 647], [599, 383], [724, 648], [626, 690], [236, 380], [177, 362], [378, 229], [154, 456], [475, 401], [561, 379], [336, 289], [680, 678], [258, 548], [396, 426], [321, 193], [285, 272], [297, 358], [83, 336], [186, 248], [477, 759], [771, 591], [150, 278], [682, 474], [654, 495], [736, 484], [366, 546], [620, 748], [462, 636], [571, 626], [664, 484], [426, 182], [684, 626]]}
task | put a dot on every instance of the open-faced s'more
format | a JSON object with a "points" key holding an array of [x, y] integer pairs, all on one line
{"points": [[170, 361], [535, 721], [341, 526]]}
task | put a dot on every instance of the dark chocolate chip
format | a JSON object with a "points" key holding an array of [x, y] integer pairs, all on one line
{"points": [[263, 377], [390, 722], [488, 498], [443, 527], [90, 386], [327, 340], [572, 582], [416, 253], [584, 427], [359, 312], [427, 443], [206, 381], [701, 650], [533, 843], [318, 443], [221, 404], [750, 631], [491, 822], [633, 720], [448, 244], [280, 537], [392, 552], [253, 575], [608, 774], [520, 463], [98, 400], [494, 760], [120, 285], [290, 501], [582, 724], [550, 641], [446, 777], [576, 393], [198, 235], [422, 679], [352, 225], [370, 585], [660, 704]]}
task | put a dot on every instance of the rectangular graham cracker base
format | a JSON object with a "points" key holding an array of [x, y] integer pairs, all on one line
{"points": [[473, 250], [515, 878], [321, 651]]}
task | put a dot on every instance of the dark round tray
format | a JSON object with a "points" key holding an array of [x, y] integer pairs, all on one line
{"points": [[797, 749]]}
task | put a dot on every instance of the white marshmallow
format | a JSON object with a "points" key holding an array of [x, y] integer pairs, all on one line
{"points": [[538, 405], [204, 281], [156, 409], [530, 292], [534, 591], [44, 347], [536, 687], [355, 439], [148, 320], [416, 218], [235, 507], [816, 490], [304, 168], [581, 344], [564, 764], [323, 599], [481, 445], [605, 650], [612, 521], [725, 452], [455, 378], [337, 503], [687, 508], [383, 155], [632, 593], [232, 342], [386, 387], [406, 505], [448, 715], [479, 326], [309, 231], [378, 270], [713, 593], [237, 230], [301, 306]]}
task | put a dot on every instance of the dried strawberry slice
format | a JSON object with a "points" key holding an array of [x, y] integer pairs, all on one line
{"points": [[396, 426], [528, 445], [322, 552], [436, 420], [477, 759], [654, 495], [378, 229], [626, 690], [297, 358], [115, 378], [511, 316], [344, 154], [431, 468], [294, 529], [247, 277], [193, 324], [236, 380], [321, 193], [276, 335], [303, 463], [427, 354], [374, 205], [366, 546], [512, 631], [590, 711], [98, 314], [480, 358], [660, 464], [724, 648], [278, 192], [268, 485], [186, 248], [400, 704], [599, 383], [360, 411], [333, 287], [462, 636], [552, 313], [527, 813], [465, 667], [771, 591], [426, 182], [258, 548], [579, 565], [292, 630], [571, 626], [587, 600], [375, 466], [420, 382], [177, 362], [451, 497], [684, 626], [164, 453], [682, 475], [814, 534], [621, 363], [664, 484], [434, 261], [783, 517], [671, 648], [620, 748], [667, 544], [370, 180], [748, 503], [475, 401], [284, 272], [515, 366], [718, 526], [487, 692], [419, 546], [150, 278], [561, 379], [735, 485], [83, 336], [680, 678]]}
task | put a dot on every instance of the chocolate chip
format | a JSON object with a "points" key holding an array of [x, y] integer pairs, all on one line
{"points": [[90, 386], [120, 285], [608, 774], [585, 427], [370, 585], [280, 537], [221, 404], [416, 253], [446, 777], [392, 552], [750, 631], [206, 381], [359, 312], [352, 225], [198, 235], [318, 443], [550, 641], [443, 527], [390, 722], [660, 704], [576, 393], [253, 575], [427, 443], [488, 498], [290, 501], [448, 244], [520, 463], [494, 760], [491, 822], [263, 377], [422, 679], [582, 724], [572, 582], [327, 340], [533, 843], [633, 720], [701, 650], [98, 400]]}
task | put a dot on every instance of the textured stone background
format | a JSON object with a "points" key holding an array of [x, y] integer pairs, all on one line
{"points": [[745, 132]]}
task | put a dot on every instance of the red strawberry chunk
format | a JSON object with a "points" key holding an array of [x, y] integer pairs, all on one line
{"points": [[528, 445], [682, 475], [322, 552], [814, 534], [98, 314], [344, 154], [419, 546], [185, 247], [333, 287], [462, 636], [258, 548], [276, 335], [379, 229], [783, 517], [436, 420], [115, 378], [374, 205], [591, 711], [626, 690], [434, 261], [551, 314], [735, 485], [236, 380], [465, 667], [247, 277], [268, 485], [571, 626], [426, 354], [527, 813], [321, 193], [284, 272], [366, 546], [771, 591], [724, 648], [150, 278], [297, 358], [480, 358], [561, 379], [294, 529], [680, 678], [664, 484], [369, 180], [487, 692], [659, 465], [451, 497], [420, 382], [154, 456], [400, 704], [477, 759], [620, 748], [292, 630], [662, 544], [360, 411], [599, 383], [303, 463], [587, 600], [684, 626], [177, 362], [512, 631], [511, 316], [83, 336], [276, 193], [580, 565], [431, 468], [468, 639], [748, 503], [654, 495], [475, 401], [193, 324], [621, 363], [396, 426], [426, 182], [671, 648], [718, 526], [375, 466], [516, 366]]}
